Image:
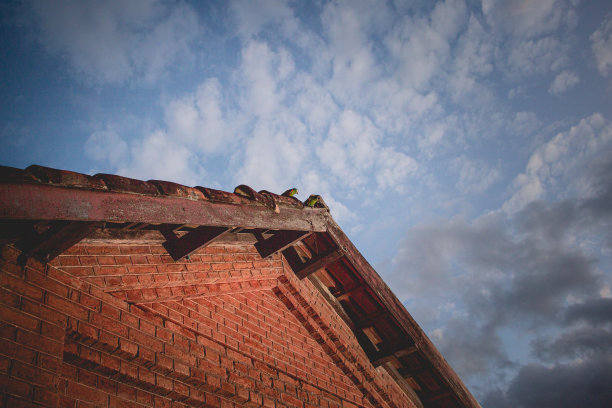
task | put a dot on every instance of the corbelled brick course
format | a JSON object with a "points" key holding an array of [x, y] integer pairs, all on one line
{"points": [[125, 325]]}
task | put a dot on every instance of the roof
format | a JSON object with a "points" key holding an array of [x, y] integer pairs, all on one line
{"points": [[45, 211]]}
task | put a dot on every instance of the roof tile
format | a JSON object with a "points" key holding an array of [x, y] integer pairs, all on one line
{"points": [[127, 185], [177, 190], [13, 175], [223, 196], [65, 178]]}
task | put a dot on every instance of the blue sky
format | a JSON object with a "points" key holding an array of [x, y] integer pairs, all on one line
{"points": [[465, 147]]}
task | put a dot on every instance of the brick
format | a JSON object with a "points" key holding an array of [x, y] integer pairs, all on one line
{"points": [[16, 387], [46, 397], [18, 318], [85, 393], [20, 287], [129, 250], [109, 325], [65, 306], [32, 374], [127, 349]]}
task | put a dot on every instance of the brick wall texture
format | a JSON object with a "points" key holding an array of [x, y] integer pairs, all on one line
{"points": [[125, 326]]}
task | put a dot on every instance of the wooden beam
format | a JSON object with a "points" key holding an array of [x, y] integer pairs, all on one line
{"points": [[442, 395], [155, 236], [365, 343], [190, 242], [399, 313], [369, 320], [385, 355], [316, 263], [45, 202], [406, 387], [55, 240], [279, 241], [348, 293]]}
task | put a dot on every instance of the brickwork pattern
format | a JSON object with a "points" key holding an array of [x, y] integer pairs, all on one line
{"points": [[119, 325]]}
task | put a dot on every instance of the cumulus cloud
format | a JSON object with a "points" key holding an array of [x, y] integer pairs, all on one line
{"points": [[562, 82], [474, 176], [251, 17], [113, 41], [578, 384], [539, 268], [203, 119], [563, 164], [529, 18], [157, 156], [601, 42], [106, 146]]}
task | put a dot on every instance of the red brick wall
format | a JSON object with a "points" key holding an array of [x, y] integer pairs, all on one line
{"points": [[125, 326]]}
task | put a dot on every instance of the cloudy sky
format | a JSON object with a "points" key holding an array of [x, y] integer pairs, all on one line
{"points": [[465, 146]]}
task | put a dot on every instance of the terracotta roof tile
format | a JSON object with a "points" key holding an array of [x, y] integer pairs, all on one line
{"points": [[65, 178], [127, 185], [14, 175], [223, 196], [178, 190]]}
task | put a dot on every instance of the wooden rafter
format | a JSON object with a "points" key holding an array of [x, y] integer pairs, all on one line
{"points": [[44, 202], [384, 355], [47, 245], [190, 242], [279, 241], [317, 262]]}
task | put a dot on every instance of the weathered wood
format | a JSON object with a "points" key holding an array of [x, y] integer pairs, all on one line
{"points": [[316, 263], [324, 290], [190, 242], [279, 241], [437, 397], [55, 240], [365, 343], [386, 355], [401, 381], [407, 324], [38, 201], [369, 320], [154, 236]]}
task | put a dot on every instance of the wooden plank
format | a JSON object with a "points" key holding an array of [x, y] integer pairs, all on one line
{"points": [[370, 320], [154, 236], [55, 240], [401, 315], [385, 355], [324, 290], [279, 241], [350, 292], [404, 385], [317, 263], [442, 395], [190, 242], [44, 202]]}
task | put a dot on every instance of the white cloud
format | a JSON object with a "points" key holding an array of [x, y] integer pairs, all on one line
{"points": [[353, 64], [393, 169], [253, 16], [203, 119], [158, 156], [529, 18], [422, 46], [557, 167], [261, 74], [106, 146], [350, 148], [601, 42], [112, 41], [536, 56], [562, 82], [474, 176]]}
